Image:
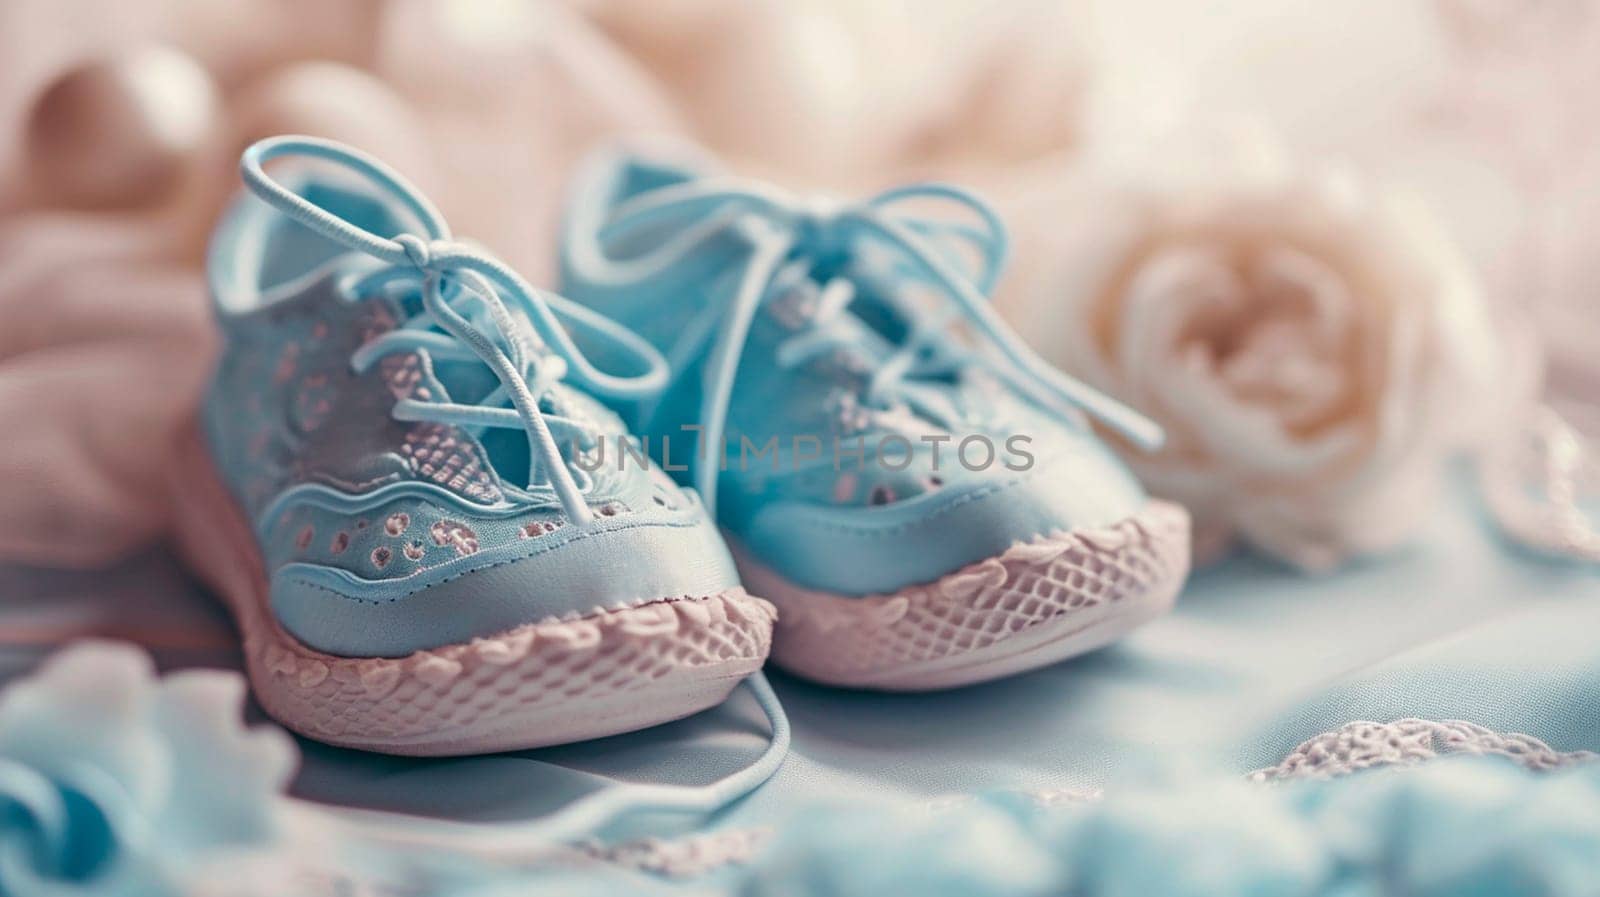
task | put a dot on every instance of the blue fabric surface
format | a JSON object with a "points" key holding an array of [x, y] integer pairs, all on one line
{"points": [[1254, 660]]}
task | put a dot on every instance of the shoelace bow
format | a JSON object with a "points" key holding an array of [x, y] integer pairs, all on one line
{"points": [[454, 274], [781, 230]]}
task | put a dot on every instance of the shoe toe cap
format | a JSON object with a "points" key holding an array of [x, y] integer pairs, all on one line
{"points": [[861, 550], [571, 571]]}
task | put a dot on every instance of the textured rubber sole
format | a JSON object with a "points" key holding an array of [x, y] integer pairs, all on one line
{"points": [[544, 683], [1035, 604]]}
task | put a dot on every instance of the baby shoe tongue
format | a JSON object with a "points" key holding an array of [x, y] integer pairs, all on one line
{"points": [[879, 313], [891, 315], [468, 382]]}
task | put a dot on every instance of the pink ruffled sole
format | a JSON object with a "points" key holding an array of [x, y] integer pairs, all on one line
{"points": [[547, 682], [1037, 603]]}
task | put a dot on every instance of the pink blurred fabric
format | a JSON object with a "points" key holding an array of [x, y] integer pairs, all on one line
{"points": [[102, 353], [105, 329]]}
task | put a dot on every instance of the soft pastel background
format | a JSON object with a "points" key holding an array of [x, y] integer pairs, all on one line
{"points": [[1297, 188], [1087, 124]]}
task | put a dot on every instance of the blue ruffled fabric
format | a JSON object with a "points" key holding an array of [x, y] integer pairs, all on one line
{"points": [[1465, 826], [113, 782], [1478, 826], [983, 847], [1252, 662]]}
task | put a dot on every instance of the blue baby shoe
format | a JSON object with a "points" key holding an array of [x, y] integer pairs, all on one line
{"points": [[391, 491], [920, 494]]}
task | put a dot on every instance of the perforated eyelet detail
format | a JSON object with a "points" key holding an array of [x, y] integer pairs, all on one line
{"points": [[844, 488], [538, 528], [455, 534]]}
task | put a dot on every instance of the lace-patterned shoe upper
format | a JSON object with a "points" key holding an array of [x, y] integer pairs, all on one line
{"points": [[914, 433], [402, 418]]}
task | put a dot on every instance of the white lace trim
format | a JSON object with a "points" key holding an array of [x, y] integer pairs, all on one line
{"points": [[1406, 742]]}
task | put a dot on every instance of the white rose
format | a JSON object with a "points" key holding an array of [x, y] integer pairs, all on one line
{"points": [[1312, 347]]}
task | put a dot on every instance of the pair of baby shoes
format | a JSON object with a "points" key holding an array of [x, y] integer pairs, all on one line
{"points": [[448, 510]]}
